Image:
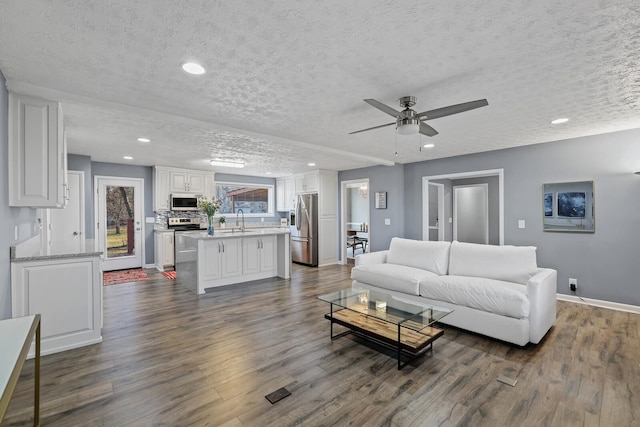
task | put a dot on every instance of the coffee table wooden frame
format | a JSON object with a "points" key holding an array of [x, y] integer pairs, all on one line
{"points": [[410, 343]]}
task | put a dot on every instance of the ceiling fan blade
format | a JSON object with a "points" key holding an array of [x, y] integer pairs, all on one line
{"points": [[375, 127], [384, 108], [452, 109], [425, 129]]}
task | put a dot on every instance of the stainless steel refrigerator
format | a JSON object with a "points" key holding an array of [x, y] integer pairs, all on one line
{"points": [[304, 230]]}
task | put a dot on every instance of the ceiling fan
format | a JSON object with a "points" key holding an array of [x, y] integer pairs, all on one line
{"points": [[409, 122]]}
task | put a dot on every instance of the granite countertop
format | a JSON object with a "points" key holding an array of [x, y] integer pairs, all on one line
{"points": [[226, 233], [29, 252]]}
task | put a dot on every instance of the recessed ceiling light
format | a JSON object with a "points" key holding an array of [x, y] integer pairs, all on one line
{"points": [[128, 158], [311, 164], [227, 163], [193, 68], [559, 121], [268, 173], [429, 145], [144, 140]]}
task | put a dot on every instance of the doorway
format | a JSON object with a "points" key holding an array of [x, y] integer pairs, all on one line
{"points": [[355, 217], [63, 229], [119, 226], [436, 212], [471, 213], [495, 177]]}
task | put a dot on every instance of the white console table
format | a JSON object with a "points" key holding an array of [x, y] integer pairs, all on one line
{"points": [[16, 336]]}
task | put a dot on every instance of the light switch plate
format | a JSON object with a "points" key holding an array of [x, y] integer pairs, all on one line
{"points": [[521, 223], [150, 220], [387, 221]]}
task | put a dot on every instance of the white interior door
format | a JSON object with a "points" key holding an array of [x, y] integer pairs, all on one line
{"points": [[119, 225], [66, 229], [471, 213]]}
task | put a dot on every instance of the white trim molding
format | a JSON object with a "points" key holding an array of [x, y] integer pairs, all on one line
{"points": [[600, 303]]}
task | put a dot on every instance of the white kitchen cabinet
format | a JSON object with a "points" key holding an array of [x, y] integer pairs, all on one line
{"points": [[285, 194], [167, 180], [161, 190], [306, 182], [186, 182], [164, 249], [67, 293], [37, 153], [223, 259], [259, 254]]}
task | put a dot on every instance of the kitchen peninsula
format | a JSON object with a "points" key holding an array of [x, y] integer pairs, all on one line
{"points": [[231, 256]]}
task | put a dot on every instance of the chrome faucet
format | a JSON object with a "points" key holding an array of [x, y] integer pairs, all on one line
{"points": [[240, 211]]}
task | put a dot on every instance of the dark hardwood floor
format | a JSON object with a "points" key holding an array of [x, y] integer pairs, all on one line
{"points": [[170, 358]]}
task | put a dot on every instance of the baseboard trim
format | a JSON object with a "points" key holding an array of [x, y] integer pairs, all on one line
{"points": [[600, 303]]}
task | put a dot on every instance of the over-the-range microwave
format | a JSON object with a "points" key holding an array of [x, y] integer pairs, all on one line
{"points": [[184, 202]]}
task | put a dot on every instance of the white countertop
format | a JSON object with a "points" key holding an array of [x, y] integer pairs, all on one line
{"points": [[31, 251], [229, 233]]}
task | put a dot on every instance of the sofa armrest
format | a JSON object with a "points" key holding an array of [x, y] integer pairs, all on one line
{"points": [[541, 291], [379, 257]]}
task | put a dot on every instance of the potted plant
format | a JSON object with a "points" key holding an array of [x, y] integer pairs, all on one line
{"points": [[209, 207], [223, 222]]}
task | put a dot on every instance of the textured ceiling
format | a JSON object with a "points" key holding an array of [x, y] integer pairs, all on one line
{"points": [[285, 79]]}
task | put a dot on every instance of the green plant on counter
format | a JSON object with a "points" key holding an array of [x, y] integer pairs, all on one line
{"points": [[222, 220]]}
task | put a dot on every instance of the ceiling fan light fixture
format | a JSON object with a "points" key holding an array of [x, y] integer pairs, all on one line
{"points": [[227, 163], [408, 126]]}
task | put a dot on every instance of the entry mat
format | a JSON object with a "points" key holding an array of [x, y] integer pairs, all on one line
{"points": [[123, 276]]}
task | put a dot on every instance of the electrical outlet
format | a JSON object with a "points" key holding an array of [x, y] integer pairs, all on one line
{"points": [[573, 285]]}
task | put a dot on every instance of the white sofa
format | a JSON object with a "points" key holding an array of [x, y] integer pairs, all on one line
{"points": [[497, 291]]}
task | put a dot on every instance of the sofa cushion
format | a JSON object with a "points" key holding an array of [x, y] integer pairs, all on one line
{"points": [[431, 256], [509, 263], [494, 296], [391, 276]]}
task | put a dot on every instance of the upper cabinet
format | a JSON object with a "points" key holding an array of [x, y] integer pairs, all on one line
{"points": [[186, 181], [167, 180], [284, 194], [37, 153], [306, 182]]}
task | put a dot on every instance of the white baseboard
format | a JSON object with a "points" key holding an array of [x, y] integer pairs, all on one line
{"points": [[600, 303]]}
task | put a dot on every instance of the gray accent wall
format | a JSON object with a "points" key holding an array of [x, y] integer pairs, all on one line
{"points": [[381, 178], [130, 171], [605, 262], [10, 218]]}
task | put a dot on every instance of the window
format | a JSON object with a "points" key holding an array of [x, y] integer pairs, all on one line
{"points": [[253, 199]]}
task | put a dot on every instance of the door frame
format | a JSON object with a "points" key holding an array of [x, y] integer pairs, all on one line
{"points": [[440, 226], [343, 215], [485, 187], [461, 175], [96, 206]]}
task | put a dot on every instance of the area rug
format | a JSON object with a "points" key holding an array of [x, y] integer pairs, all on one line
{"points": [[124, 276], [169, 274]]}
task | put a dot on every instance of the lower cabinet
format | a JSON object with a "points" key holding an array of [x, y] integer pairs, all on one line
{"points": [[67, 293], [164, 250], [259, 255], [222, 259]]}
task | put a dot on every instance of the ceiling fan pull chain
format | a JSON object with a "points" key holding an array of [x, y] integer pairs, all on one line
{"points": [[396, 141]]}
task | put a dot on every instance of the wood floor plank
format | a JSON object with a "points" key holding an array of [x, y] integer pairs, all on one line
{"points": [[172, 358]]}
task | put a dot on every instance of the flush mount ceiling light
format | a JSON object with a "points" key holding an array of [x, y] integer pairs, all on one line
{"points": [[559, 121], [128, 158], [311, 164], [429, 145], [227, 163], [144, 140], [193, 68]]}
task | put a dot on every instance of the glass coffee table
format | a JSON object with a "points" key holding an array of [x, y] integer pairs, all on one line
{"points": [[403, 325]]}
